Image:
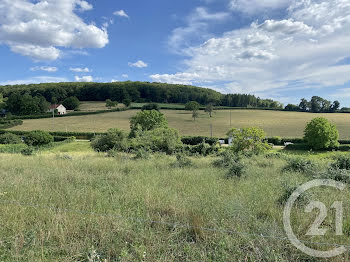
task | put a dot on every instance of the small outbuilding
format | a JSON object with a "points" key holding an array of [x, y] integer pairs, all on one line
{"points": [[61, 110]]}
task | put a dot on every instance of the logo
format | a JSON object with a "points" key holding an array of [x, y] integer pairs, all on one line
{"points": [[315, 229]]}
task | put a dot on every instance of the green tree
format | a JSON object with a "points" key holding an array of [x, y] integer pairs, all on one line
{"points": [[147, 120], [114, 139], [335, 106], [248, 139], [192, 105], [209, 109], [321, 134], [9, 138], [38, 138], [71, 103], [110, 103], [158, 140], [127, 102], [195, 114], [151, 106], [304, 105]]}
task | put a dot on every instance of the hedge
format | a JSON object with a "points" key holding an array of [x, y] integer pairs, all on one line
{"points": [[75, 113], [78, 135], [8, 123], [196, 140]]}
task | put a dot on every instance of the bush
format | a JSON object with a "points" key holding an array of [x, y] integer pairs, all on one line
{"points": [[203, 149], [147, 120], [321, 134], [127, 102], [276, 140], [28, 151], [226, 158], [114, 139], [71, 103], [303, 147], [335, 173], [287, 192], [196, 140], [182, 161], [299, 164], [158, 140], [236, 169], [248, 139], [9, 138], [38, 138], [152, 106], [142, 153], [341, 162], [7, 123]]}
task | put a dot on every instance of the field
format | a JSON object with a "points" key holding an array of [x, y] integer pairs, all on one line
{"points": [[70, 204], [275, 123]]}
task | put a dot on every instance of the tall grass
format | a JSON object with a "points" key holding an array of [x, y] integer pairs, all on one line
{"points": [[55, 209]]}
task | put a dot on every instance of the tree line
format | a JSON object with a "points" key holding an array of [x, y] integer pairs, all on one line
{"points": [[315, 105], [141, 92]]}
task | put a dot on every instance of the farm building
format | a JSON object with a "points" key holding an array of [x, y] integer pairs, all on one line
{"points": [[61, 110]]}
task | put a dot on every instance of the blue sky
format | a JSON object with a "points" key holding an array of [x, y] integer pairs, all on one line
{"points": [[280, 49]]}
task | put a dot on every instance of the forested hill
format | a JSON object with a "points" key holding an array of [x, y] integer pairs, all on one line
{"points": [[137, 92]]}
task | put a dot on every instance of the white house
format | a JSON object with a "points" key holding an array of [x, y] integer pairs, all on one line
{"points": [[61, 110]]}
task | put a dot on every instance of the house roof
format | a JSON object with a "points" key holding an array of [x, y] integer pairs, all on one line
{"points": [[54, 106]]}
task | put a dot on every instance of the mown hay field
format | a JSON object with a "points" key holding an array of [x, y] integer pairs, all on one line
{"points": [[275, 123]]}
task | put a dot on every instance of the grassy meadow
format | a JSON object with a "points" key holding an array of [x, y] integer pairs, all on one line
{"points": [[275, 123], [72, 204]]}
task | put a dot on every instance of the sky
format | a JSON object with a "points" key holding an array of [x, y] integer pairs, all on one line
{"points": [[279, 49]]}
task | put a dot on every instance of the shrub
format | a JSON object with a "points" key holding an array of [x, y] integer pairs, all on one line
{"points": [[196, 140], [203, 149], [7, 123], [299, 164], [158, 140], [38, 138], [321, 134], [147, 120], [114, 139], [9, 138], [335, 173], [226, 158], [276, 140], [248, 139], [151, 106], [341, 162], [303, 147], [236, 169], [28, 151], [182, 161], [127, 102], [71, 103], [288, 191], [142, 153]]}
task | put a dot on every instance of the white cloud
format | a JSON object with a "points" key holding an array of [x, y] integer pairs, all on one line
{"points": [[299, 51], [35, 80], [80, 70], [44, 68], [121, 13], [114, 80], [196, 28], [84, 6], [84, 79], [258, 6], [38, 29], [125, 75], [139, 64]]}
